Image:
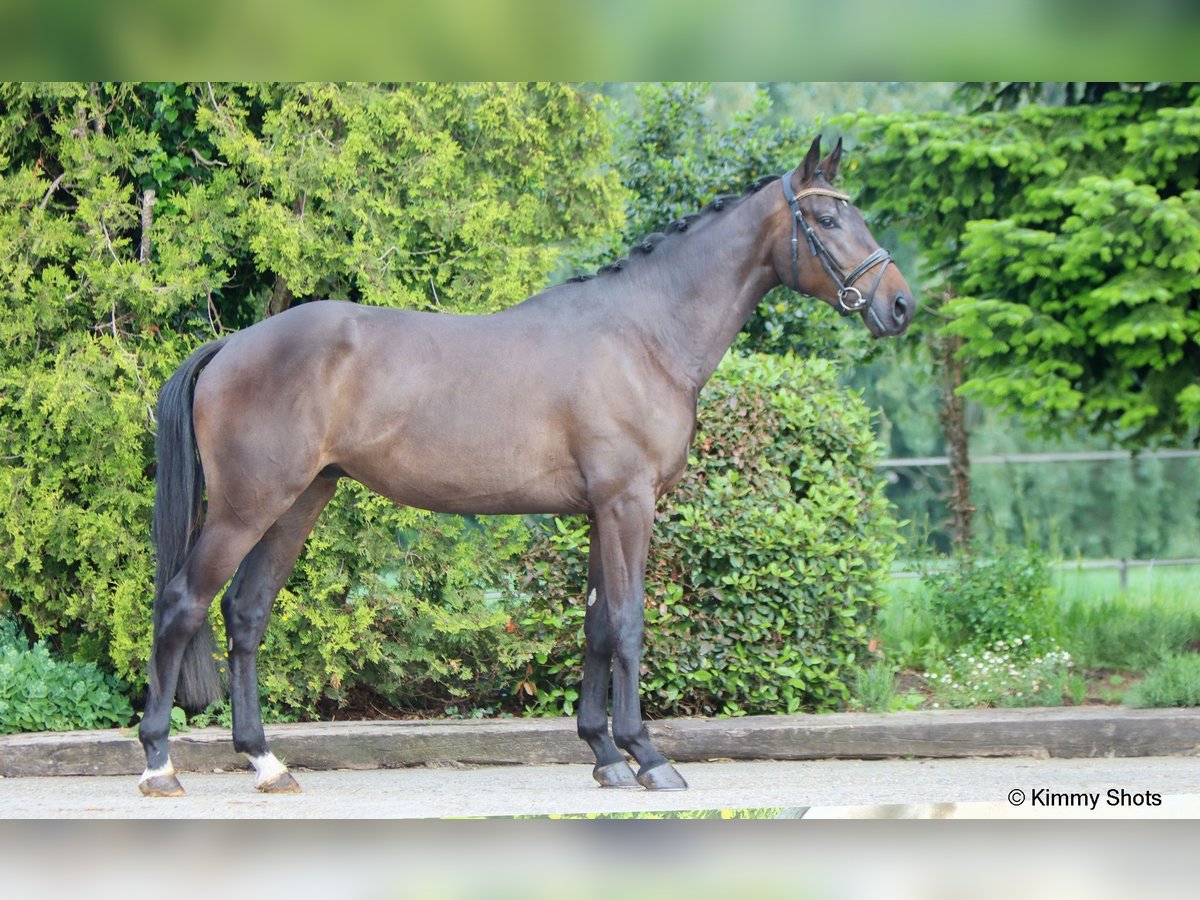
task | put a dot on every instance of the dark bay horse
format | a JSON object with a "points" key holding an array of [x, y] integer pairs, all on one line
{"points": [[582, 399]]}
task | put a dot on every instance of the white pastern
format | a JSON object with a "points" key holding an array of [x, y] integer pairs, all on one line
{"points": [[166, 770], [266, 767]]}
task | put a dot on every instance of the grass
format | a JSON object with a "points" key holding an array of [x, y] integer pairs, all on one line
{"points": [[1136, 644], [1105, 627], [907, 633], [1173, 681]]}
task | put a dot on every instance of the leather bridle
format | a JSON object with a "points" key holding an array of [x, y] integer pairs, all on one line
{"points": [[844, 281]]}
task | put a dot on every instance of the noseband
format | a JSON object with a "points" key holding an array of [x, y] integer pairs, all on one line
{"points": [[844, 281]]}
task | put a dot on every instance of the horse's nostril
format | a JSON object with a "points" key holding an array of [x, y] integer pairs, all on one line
{"points": [[900, 309]]}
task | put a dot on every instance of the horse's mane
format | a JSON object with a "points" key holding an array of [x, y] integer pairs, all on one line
{"points": [[646, 245]]}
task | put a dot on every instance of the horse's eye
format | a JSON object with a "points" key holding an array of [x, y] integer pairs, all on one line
{"points": [[828, 221]]}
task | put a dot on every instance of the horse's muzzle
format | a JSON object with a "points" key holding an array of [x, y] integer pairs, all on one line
{"points": [[894, 317]]}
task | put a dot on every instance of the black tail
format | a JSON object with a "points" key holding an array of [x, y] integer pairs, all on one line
{"points": [[178, 509]]}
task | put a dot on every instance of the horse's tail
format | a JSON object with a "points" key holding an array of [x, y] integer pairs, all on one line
{"points": [[178, 509]]}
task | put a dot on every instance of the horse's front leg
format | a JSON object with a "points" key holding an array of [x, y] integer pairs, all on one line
{"points": [[623, 524], [612, 769]]}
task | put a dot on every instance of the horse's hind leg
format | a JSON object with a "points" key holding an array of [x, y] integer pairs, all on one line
{"points": [[611, 770], [223, 543], [246, 607]]}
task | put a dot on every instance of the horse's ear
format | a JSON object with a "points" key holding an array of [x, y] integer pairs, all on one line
{"points": [[829, 165], [808, 168]]}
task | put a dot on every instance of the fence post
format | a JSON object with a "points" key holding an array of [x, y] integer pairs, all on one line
{"points": [[1124, 574]]}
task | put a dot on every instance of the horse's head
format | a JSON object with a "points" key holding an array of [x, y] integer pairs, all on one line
{"points": [[831, 253]]}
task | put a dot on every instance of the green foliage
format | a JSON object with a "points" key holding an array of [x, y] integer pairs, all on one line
{"points": [[447, 196], [1173, 681], [767, 563], [978, 603], [874, 688], [450, 196], [995, 627], [444, 616], [1137, 509], [39, 692], [1133, 509], [1072, 235]]}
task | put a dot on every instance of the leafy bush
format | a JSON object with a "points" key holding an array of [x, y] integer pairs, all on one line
{"points": [[979, 601], [991, 637], [41, 693], [398, 608], [768, 560]]}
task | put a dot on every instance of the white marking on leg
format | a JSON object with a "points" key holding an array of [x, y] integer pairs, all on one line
{"points": [[592, 597], [166, 770], [267, 768]]}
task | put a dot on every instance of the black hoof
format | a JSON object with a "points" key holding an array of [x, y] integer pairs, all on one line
{"points": [[284, 784], [161, 786], [615, 775], [662, 778]]}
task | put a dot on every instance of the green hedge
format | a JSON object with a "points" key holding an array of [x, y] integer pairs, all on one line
{"points": [[768, 561]]}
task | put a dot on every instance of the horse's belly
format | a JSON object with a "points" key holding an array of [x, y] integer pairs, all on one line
{"points": [[451, 478]]}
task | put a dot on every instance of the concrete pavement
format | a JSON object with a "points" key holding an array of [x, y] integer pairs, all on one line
{"points": [[1142, 787]]}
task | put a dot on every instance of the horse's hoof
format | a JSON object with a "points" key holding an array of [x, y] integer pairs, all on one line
{"points": [[662, 778], [161, 786], [615, 775], [283, 784]]}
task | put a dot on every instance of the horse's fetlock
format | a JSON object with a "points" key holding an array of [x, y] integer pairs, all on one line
{"points": [[592, 728], [625, 739]]}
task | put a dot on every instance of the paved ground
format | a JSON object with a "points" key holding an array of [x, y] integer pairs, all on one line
{"points": [[974, 788]]}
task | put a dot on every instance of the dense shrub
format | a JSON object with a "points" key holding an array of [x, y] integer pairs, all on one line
{"points": [[995, 631], [399, 608], [41, 693], [768, 559], [1006, 597]]}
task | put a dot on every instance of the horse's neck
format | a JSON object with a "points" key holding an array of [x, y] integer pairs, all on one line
{"points": [[699, 298]]}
